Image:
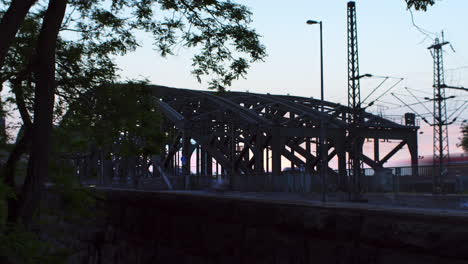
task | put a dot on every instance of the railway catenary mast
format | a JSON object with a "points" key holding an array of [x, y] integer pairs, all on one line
{"points": [[354, 119], [440, 125]]}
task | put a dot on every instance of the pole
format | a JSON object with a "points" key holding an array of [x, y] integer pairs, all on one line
{"points": [[323, 147]]}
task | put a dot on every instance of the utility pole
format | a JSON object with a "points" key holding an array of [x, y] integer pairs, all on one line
{"points": [[354, 103], [440, 125], [322, 137]]}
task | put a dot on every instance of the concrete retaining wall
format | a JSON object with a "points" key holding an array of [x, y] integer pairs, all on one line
{"points": [[183, 228]]}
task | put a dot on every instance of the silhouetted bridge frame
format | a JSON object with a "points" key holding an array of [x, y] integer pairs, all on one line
{"points": [[240, 130]]}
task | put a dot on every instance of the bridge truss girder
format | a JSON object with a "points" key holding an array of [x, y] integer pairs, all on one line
{"points": [[248, 134]]}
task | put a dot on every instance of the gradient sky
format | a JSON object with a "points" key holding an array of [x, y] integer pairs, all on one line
{"points": [[389, 45]]}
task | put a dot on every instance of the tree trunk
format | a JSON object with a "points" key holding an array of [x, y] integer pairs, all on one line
{"points": [[10, 24], [38, 164], [21, 146]]}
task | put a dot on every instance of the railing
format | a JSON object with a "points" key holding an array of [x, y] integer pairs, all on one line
{"points": [[400, 119], [388, 187], [396, 179]]}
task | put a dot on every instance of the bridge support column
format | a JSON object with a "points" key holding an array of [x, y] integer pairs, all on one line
{"points": [[203, 169], [197, 160], [413, 149], [342, 173], [209, 164], [258, 154], [307, 145], [276, 149], [186, 155], [247, 157], [206, 163], [309, 160], [376, 150]]}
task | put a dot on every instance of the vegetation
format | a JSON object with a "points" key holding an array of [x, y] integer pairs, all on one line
{"points": [[464, 138], [56, 60], [419, 4], [122, 116], [72, 60]]}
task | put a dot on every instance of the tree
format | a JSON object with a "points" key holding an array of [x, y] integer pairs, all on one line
{"points": [[10, 24], [464, 138], [217, 29], [121, 118], [43, 110], [419, 4]]}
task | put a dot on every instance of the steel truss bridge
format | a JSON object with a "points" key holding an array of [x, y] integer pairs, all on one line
{"points": [[248, 134]]}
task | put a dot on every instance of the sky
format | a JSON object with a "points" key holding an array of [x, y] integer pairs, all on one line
{"points": [[389, 45]]}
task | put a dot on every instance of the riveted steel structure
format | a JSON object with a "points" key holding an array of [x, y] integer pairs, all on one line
{"points": [[441, 144], [248, 135], [355, 142]]}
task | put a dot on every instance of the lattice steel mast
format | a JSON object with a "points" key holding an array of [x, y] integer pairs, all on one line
{"points": [[441, 141], [354, 103]]}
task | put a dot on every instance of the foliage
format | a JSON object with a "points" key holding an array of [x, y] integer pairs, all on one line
{"points": [[217, 29], [79, 68], [5, 193], [18, 245], [419, 4], [95, 31], [76, 201], [122, 118], [464, 138], [90, 109]]}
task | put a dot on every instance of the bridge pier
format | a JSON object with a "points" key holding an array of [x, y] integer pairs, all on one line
{"points": [[276, 149], [186, 159]]}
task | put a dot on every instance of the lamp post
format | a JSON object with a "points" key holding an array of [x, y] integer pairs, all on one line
{"points": [[322, 140], [313, 22]]}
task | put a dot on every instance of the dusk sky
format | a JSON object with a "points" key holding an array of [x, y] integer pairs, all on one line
{"points": [[389, 45]]}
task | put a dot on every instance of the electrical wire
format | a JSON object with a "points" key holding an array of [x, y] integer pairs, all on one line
{"points": [[421, 91], [386, 91], [387, 102], [417, 99], [375, 89], [401, 106], [462, 108], [414, 111]]}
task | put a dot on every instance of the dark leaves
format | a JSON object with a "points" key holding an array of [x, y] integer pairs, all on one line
{"points": [[121, 117], [419, 4]]}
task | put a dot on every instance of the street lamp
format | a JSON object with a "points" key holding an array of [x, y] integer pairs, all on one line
{"points": [[322, 141], [313, 22], [362, 76]]}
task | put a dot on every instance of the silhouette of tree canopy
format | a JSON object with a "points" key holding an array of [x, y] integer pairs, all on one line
{"points": [[65, 50], [57, 59], [419, 4], [464, 138], [121, 118]]}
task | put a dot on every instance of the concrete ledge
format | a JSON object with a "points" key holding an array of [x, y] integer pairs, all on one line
{"points": [[229, 228]]}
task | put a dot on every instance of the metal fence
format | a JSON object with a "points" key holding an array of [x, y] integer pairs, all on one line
{"points": [[396, 186], [388, 180]]}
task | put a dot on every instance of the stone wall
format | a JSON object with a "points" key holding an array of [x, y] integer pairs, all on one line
{"points": [[145, 227]]}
